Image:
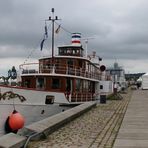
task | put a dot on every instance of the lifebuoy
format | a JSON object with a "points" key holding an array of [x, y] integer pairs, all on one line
{"points": [[14, 122]]}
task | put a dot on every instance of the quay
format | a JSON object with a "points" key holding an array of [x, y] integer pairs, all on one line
{"points": [[116, 124], [134, 129], [96, 128]]}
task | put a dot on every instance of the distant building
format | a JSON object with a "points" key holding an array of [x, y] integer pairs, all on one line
{"points": [[133, 76], [118, 75]]}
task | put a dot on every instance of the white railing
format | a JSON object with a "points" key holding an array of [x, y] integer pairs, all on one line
{"points": [[58, 69], [29, 68]]}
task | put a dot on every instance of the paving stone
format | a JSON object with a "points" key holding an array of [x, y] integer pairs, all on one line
{"points": [[85, 131]]}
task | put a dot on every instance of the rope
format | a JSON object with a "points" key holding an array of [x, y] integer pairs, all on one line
{"points": [[67, 31]]}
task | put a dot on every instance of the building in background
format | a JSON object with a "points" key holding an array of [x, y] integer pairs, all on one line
{"points": [[117, 74]]}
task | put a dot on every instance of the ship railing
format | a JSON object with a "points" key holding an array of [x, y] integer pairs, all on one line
{"points": [[29, 68], [59, 69], [82, 97]]}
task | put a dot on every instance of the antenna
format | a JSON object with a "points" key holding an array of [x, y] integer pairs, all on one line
{"points": [[86, 43]]}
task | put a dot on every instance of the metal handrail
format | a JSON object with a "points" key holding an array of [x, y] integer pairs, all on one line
{"points": [[60, 69]]}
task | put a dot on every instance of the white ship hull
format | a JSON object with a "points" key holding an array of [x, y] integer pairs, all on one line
{"points": [[33, 109], [33, 97]]}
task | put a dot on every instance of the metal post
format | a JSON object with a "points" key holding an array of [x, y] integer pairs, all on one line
{"points": [[52, 19], [53, 35]]}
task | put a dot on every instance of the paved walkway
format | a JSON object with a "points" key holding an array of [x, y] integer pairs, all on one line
{"points": [[96, 128], [134, 129]]}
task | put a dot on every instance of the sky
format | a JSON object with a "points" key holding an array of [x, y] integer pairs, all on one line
{"points": [[117, 30]]}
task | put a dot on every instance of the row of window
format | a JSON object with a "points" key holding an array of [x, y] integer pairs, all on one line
{"points": [[57, 84], [70, 63], [72, 51]]}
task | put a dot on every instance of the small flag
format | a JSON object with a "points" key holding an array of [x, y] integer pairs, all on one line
{"points": [[46, 31], [100, 59], [58, 29], [42, 43]]}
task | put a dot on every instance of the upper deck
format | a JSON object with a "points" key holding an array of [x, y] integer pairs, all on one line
{"points": [[63, 66]]}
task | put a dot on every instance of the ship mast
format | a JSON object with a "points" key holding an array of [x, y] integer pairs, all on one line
{"points": [[53, 19]]}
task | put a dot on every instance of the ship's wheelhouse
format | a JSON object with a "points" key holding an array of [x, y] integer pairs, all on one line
{"points": [[71, 51]]}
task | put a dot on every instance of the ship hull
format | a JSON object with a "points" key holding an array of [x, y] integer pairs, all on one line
{"points": [[33, 109], [32, 96]]}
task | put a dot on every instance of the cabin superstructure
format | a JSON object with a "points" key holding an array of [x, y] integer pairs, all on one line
{"points": [[69, 72]]}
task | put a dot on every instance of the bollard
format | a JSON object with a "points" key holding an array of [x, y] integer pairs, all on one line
{"points": [[103, 99]]}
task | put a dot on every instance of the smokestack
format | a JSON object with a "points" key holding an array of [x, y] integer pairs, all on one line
{"points": [[76, 37]]}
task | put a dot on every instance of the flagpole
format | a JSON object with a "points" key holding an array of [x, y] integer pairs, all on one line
{"points": [[52, 19], [52, 35]]}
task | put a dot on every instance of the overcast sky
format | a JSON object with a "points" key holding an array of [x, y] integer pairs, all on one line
{"points": [[119, 29]]}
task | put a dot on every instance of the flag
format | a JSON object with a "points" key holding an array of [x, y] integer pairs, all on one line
{"points": [[100, 59], [58, 29], [46, 31], [42, 43]]}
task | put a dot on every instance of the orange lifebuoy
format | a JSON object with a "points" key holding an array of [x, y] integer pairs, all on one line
{"points": [[14, 122]]}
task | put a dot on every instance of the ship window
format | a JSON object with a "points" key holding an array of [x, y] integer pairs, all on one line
{"points": [[101, 86], [70, 62], [49, 99], [74, 51], [61, 51], [27, 83], [40, 83], [55, 83], [85, 85], [78, 84], [78, 51], [80, 63]]}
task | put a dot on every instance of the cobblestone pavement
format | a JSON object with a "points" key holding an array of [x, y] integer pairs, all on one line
{"points": [[96, 128]]}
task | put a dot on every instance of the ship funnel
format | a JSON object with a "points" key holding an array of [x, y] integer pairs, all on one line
{"points": [[76, 37]]}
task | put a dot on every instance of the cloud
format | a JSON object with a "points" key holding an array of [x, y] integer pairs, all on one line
{"points": [[119, 28]]}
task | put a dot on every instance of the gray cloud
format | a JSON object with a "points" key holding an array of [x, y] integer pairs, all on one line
{"points": [[119, 27]]}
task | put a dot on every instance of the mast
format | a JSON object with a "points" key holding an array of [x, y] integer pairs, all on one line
{"points": [[53, 19], [86, 44]]}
